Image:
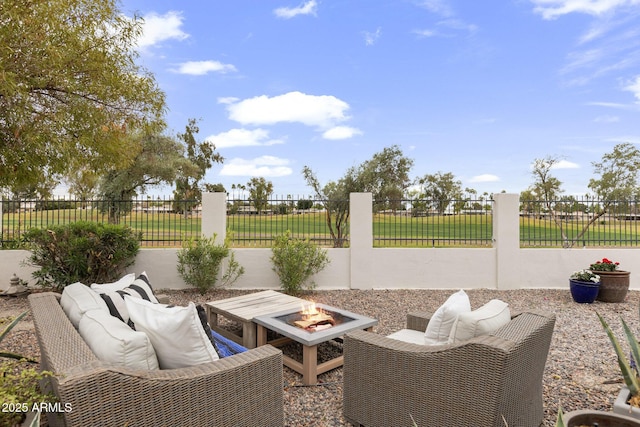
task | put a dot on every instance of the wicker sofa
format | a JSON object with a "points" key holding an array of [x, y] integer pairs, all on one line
{"points": [[388, 382], [241, 390]]}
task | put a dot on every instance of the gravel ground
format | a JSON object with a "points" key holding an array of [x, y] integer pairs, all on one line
{"points": [[581, 370]]}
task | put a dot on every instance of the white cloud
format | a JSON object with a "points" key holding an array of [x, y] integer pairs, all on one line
{"points": [[456, 24], [322, 111], [158, 28], [448, 28], [634, 87], [266, 166], [200, 68], [242, 138], [371, 38], [551, 9], [440, 7], [487, 177], [610, 105], [620, 139], [565, 164], [341, 132], [227, 99], [582, 59], [426, 33], [308, 8]]}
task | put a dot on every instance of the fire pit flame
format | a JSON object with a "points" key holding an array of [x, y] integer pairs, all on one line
{"points": [[314, 319]]}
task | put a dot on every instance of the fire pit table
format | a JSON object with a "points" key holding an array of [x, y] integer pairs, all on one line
{"points": [[244, 308], [294, 324]]}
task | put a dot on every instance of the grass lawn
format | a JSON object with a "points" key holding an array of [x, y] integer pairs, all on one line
{"points": [[169, 229]]}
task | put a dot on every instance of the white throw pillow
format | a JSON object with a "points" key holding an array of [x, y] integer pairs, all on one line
{"points": [[138, 288], [439, 326], [483, 321], [77, 299], [115, 342], [122, 283], [176, 333]]}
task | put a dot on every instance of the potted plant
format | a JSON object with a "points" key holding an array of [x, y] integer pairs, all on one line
{"points": [[614, 283], [628, 401], [588, 417], [584, 286]]}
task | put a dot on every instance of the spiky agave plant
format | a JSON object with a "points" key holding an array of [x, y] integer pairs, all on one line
{"points": [[629, 369], [5, 332]]}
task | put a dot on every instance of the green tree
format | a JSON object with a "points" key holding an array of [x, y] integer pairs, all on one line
{"points": [[440, 188], [617, 183], [619, 171], [385, 175], [200, 156], [157, 162], [545, 186], [335, 200], [304, 204], [214, 188], [527, 202], [259, 191], [70, 90], [83, 182]]}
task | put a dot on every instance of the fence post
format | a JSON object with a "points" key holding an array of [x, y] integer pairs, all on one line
{"points": [[214, 215], [506, 240], [360, 238]]}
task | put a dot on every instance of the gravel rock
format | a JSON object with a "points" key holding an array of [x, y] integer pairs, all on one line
{"points": [[581, 370]]}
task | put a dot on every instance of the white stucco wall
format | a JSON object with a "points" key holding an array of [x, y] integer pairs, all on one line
{"points": [[504, 266]]}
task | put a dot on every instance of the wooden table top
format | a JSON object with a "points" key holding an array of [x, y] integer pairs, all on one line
{"points": [[246, 307]]}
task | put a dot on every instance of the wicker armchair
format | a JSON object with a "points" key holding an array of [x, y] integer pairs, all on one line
{"points": [[475, 383], [241, 390]]}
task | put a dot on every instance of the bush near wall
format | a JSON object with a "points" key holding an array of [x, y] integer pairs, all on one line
{"points": [[84, 252]]}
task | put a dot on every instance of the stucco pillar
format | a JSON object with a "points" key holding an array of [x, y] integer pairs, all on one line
{"points": [[214, 215], [361, 238], [506, 240]]}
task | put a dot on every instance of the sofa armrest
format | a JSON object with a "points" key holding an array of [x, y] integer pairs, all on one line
{"points": [[241, 390], [418, 320]]}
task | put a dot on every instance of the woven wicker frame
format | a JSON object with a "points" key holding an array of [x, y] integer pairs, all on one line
{"points": [[474, 383], [241, 390]]}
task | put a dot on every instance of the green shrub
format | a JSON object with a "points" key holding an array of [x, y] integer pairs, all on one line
{"points": [[84, 252], [295, 261], [200, 262]]}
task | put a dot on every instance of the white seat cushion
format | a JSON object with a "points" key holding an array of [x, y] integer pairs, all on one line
{"points": [[115, 342], [439, 326], [483, 321], [409, 335], [176, 333], [77, 299]]}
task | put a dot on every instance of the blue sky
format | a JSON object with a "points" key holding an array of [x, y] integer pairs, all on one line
{"points": [[476, 88]]}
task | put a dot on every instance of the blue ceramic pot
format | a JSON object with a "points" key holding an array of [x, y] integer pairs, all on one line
{"points": [[583, 292]]}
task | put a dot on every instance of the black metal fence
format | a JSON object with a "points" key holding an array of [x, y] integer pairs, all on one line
{"points": [[163, 222], [432, 223], [397, 223], [252, 224], [583, 222]]}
